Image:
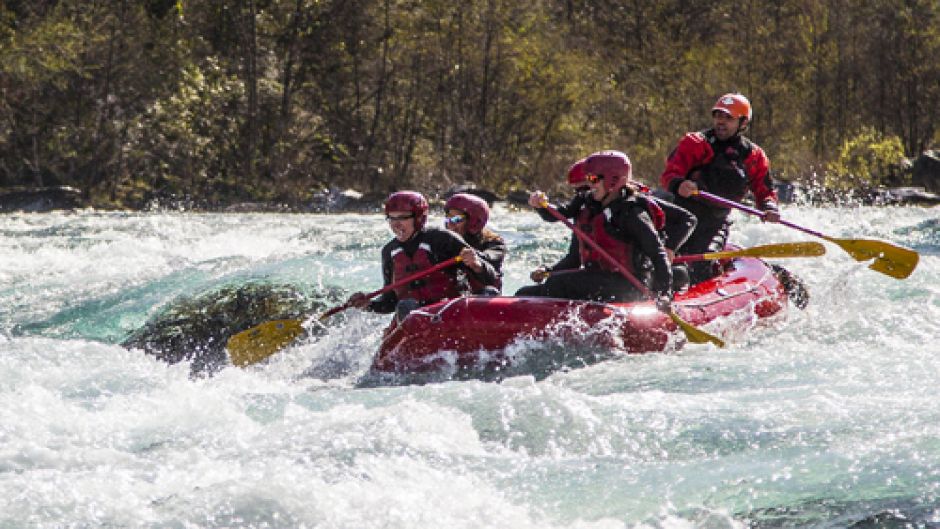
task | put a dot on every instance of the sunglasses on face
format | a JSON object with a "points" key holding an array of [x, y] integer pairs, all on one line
{"points": [[593, 178], [456, 219], [399, 218]]}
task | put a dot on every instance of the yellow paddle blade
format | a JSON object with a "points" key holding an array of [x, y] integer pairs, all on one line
{"points": [[891, 260], [694, 334], [770, 251], [261, 341]]}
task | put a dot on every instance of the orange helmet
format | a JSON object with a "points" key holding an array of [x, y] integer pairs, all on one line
{"points": [[735, 105]]}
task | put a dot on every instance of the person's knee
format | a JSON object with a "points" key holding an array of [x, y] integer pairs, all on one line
{"points": [[404, 307], [680, 278]]}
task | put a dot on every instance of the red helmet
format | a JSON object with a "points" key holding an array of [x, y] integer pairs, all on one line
{"points": [[477, 210], [735, 105], [409, 201], [613, 166], [576, 175]]}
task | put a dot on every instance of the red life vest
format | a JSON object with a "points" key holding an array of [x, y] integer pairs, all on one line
{"points": [[477, 286], [657, 215], [593, 226], [428, 289]]}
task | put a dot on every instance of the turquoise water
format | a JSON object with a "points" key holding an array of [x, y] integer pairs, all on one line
{"points": [[826, 418]]}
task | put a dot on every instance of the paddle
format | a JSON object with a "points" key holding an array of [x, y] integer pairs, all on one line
{"points": [[692, 333], [889, 259], [768, 251], [261, 341]]}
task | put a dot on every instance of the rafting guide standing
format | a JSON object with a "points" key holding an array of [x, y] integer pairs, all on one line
{"points": [[723, 162]]}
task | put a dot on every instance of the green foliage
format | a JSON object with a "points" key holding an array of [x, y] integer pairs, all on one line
{"points": [[866, 160], [187, 142], [220, 102]]}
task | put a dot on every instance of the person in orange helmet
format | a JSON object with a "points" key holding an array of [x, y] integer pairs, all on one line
{"points": [[723, 162]]}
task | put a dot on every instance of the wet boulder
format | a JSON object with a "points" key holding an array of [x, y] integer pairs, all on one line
{"points": [[196, 329], [925, 171], [39, 199], [471, 189]]}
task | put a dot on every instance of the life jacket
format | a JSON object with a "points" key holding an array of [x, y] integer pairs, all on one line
{"points": [[657, 215], [725, 175], [476, 285], [594, 225], [428, 289]]}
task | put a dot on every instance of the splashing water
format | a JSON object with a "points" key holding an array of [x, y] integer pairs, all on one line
{"points": [[826, 418]]}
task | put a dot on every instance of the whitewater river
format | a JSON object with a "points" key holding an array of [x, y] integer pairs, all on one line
{"points": [[828, 418]]}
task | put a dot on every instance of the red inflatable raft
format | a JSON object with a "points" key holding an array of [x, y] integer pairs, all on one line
{"points": [[472, 334]]}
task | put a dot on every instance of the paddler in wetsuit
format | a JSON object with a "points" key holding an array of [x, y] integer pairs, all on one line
{"points": [[418, 247], [467, 216], [623, 223], [677, 228], [723, 162]]}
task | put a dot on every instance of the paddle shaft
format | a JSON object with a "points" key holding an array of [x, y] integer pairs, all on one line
{"points": [[747, 209], [392, 286], [769, 251]]}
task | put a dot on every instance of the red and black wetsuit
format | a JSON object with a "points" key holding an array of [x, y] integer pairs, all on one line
{"points": [[425, 249], [728, 169], [625, 229]]}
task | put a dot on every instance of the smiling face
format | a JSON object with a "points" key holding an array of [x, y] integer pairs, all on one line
{"points": [[402, 224], [456, 221], [598, 189]]}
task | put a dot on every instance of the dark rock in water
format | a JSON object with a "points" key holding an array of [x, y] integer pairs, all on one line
{"points": [[197, 329], [786, 191], [39, 199], [911, 196], [519, 197], [334, 200], [471, 189], [256, 207], [925, 171]]}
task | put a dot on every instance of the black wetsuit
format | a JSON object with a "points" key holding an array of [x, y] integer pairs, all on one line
{"points": [[444, 245], [628, 219]]}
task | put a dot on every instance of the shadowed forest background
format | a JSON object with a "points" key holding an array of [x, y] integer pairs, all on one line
{"points": [[230, 101]]}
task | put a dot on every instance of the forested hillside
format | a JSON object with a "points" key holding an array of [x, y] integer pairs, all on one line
{"points": [[224, 101]]}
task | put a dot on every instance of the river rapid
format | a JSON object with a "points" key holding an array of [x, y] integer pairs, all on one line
{"points": [[829, 417]]}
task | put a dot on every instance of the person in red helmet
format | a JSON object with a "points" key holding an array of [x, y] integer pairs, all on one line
{"points": [[723, 162], [626, 226], [416, 247], [467, 216], [679, 223]]}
